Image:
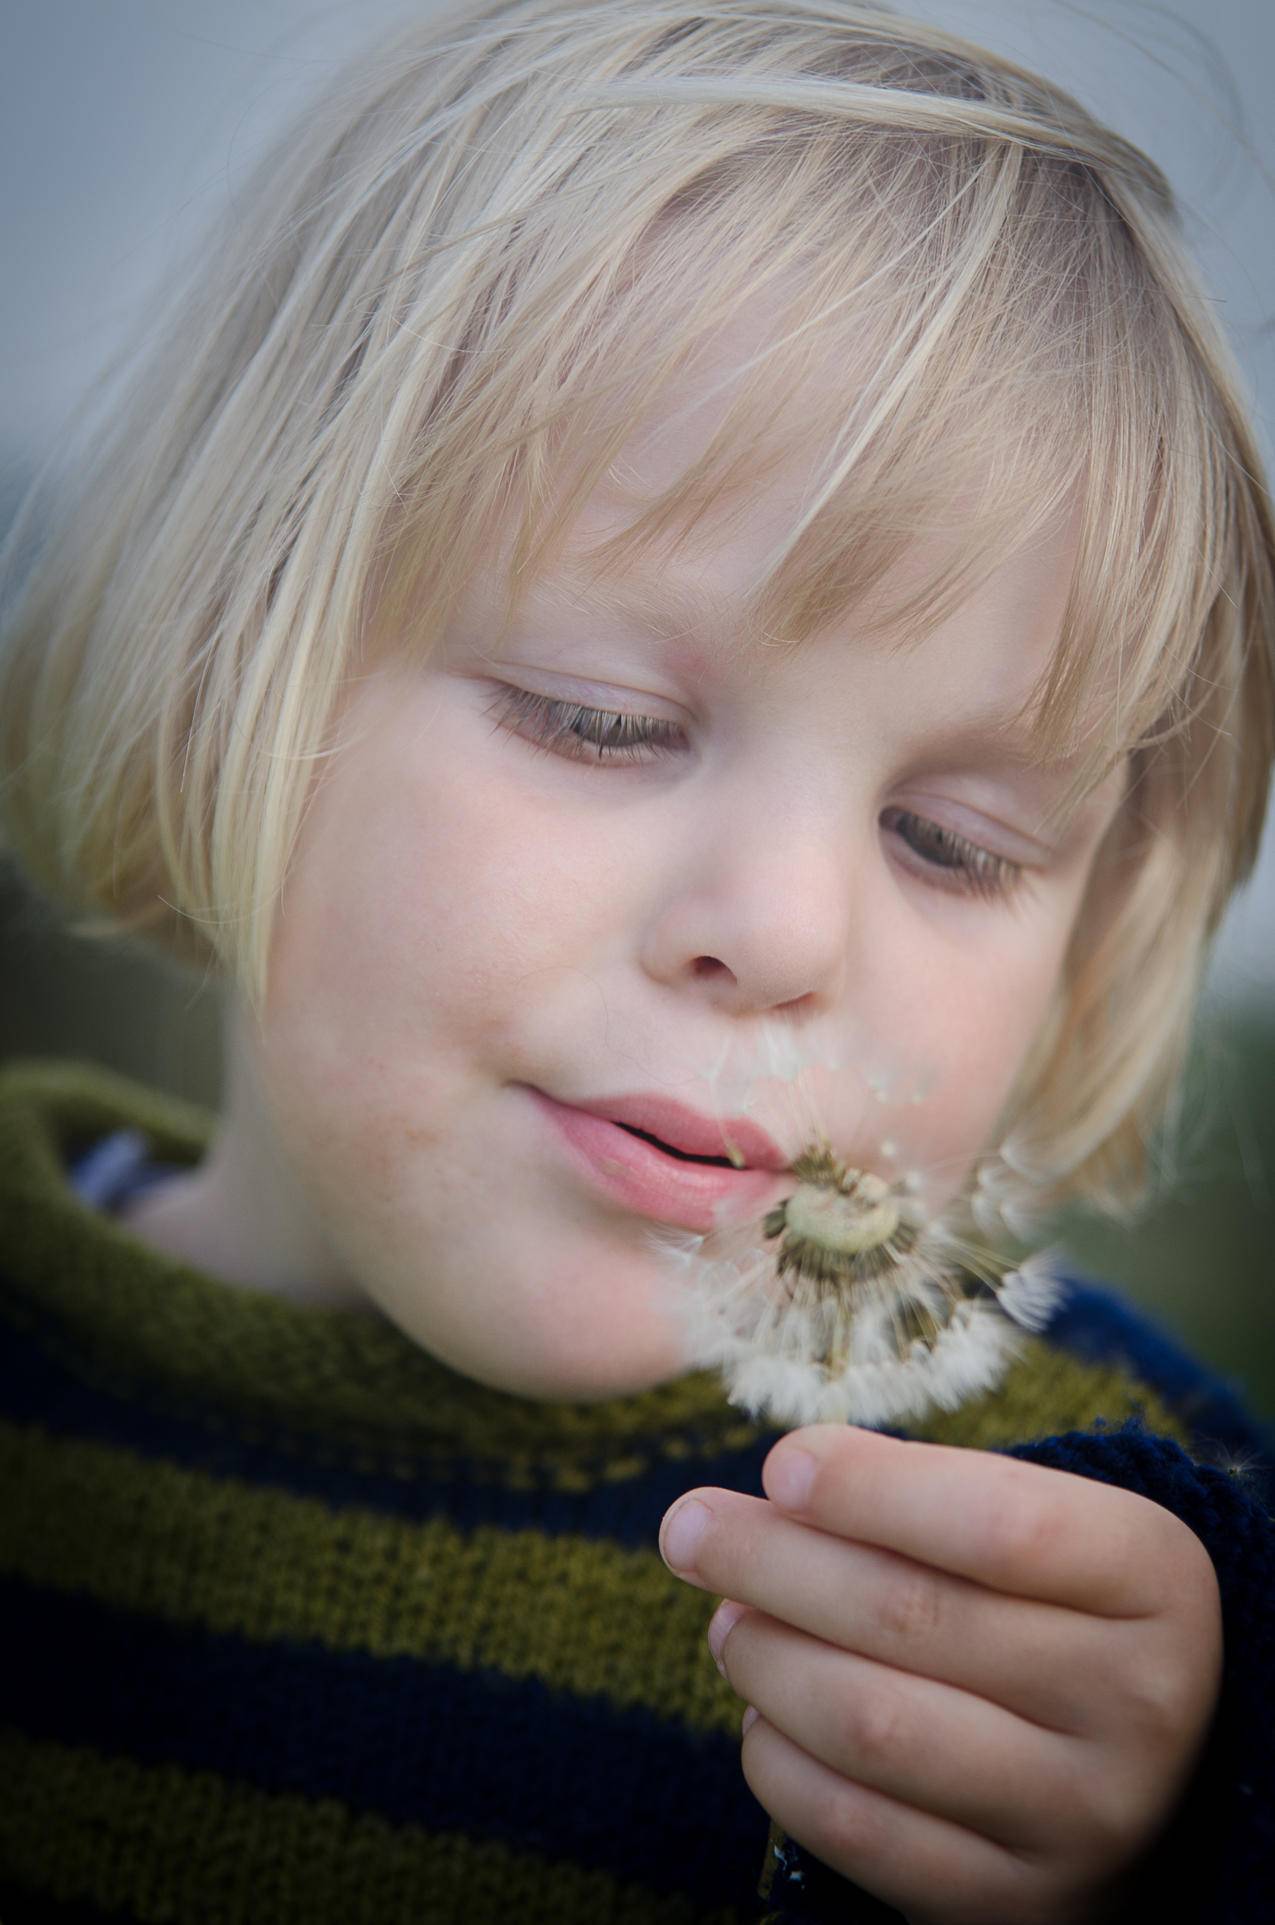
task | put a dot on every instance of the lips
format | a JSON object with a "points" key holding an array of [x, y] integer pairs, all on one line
{"points": [[619, 1158], [674, 1126]]}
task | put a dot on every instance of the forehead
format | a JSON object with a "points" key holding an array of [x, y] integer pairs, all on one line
{"points": [[702, 575]]}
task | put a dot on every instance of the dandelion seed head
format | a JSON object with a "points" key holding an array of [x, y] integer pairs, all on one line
{"points": [[850, 1299]]}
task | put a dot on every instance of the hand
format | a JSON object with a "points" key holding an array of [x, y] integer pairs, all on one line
{"points": [[978, 1687]]}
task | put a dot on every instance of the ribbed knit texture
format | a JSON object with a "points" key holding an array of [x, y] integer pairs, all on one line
{"points": [[303, 1627]]}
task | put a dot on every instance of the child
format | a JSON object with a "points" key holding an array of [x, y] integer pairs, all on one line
{"points": [[654, 530]]}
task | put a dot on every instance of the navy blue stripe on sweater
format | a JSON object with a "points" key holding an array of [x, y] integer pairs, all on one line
{"points": [[1098, 1326], [36, 1388], [21, 1907], [538, 1770]]}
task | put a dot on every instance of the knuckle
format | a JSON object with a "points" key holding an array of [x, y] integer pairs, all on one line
{"points": [[1145, 1687], [1023, 1529], [1153, 1700], [878, 1730], [852, 1825], [1022, 1893], [1101, 1815], [911, 1609]]}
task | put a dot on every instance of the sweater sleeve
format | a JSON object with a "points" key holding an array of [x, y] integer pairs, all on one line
{"points": [[1215, 1861]]}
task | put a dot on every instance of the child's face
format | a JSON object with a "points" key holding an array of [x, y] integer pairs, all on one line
{"points": [[474, 918]]}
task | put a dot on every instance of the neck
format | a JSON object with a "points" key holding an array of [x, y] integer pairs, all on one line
{"points": [[240, 1214]]}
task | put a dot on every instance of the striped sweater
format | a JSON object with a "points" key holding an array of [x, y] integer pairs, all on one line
{"points": [[303, 1627]]}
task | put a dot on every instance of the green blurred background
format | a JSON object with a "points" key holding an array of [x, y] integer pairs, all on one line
{"points": [[1202, 1259]]}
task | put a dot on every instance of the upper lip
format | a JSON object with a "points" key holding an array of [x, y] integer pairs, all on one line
{"points": [[685, 1129]]}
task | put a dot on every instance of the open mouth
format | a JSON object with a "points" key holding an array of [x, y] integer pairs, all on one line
{"points": [[683, 1156]]}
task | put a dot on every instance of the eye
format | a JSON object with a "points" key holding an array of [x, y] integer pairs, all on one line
{"points": [[584, 734], [951, 860]]}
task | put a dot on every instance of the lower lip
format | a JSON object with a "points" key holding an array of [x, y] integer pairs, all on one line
{"points": [[693, 1196]]}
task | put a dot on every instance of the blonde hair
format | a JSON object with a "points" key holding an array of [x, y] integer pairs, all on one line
{"points": [[446, 297]]}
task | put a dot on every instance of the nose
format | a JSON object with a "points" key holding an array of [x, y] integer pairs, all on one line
{"points": [[759, 908]]}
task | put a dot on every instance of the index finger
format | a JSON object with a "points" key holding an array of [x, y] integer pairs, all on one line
{"points": [[1026, 1529]]}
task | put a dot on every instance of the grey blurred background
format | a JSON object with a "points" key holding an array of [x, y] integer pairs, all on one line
{"points": [[124, 124]]}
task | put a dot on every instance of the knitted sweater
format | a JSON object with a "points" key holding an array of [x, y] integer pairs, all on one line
{"points": [[302, 1626]]}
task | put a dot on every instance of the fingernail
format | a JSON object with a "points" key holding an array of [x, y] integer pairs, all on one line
{"points": [[748, 1720], [789, 1476], [727, 1614], [683, 1533]]}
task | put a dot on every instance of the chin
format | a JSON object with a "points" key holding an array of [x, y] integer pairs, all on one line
{"points": [[575, 1380]]}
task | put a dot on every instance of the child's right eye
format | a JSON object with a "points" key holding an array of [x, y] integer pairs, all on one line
{"points": [[584, 734]]}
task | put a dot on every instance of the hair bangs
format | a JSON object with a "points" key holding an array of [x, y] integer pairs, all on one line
{"points": [[933, 370]]}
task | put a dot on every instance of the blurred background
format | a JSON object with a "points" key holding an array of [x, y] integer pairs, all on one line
{"points": [[124, 126]]}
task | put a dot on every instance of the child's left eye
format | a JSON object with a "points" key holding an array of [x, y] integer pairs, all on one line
{"points": [[585, 734]]}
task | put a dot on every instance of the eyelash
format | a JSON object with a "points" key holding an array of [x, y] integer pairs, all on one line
{"points": [[573, 730], [974, 871], [557, 726]]}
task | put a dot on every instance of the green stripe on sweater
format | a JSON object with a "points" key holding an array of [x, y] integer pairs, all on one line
{"points": [[190, 1846], [1047, 1392], [151, 1537]]}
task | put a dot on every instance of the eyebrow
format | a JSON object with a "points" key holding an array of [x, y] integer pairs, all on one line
{"points": [[673, 606]]}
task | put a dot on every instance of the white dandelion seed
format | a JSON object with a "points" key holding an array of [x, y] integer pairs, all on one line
{"points": [[1005, 1192]]}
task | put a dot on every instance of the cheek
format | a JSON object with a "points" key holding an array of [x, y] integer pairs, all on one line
{"points": [[969, 1032], [428, 916], [423, 907]]}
